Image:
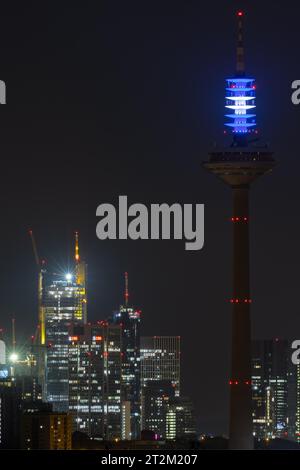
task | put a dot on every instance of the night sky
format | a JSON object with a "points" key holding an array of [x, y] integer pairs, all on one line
{"points": [[110, 98]]}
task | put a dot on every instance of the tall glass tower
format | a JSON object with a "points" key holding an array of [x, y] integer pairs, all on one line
{"points": [[95, 379], [64, 301], [160, 360], [130, 319]]}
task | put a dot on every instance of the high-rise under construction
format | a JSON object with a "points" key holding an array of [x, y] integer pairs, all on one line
{"points": [[63, 301]]}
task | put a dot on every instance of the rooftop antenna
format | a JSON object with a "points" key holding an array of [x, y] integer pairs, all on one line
{"points": [[77, 257], [126, 293]]}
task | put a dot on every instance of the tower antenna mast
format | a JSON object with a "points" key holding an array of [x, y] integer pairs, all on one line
{"points": [[240, 50]]}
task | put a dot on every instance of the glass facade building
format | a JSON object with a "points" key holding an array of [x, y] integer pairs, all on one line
{"points": [[270, 389], [129, 320], [64, 302], [156, 397], [180, 419], [95, 379], [160, 360]]}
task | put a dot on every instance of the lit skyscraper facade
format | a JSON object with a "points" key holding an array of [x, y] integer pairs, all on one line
{"points": [[180, 419], [95, 379], [112, 379], [130, 320], [271, 389], [63, 302], [160, 360], [296, 408], [42, 430], [86, 369], [156, 397]]}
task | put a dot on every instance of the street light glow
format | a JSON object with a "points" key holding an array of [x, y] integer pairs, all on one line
{"points": [[13, 357]]}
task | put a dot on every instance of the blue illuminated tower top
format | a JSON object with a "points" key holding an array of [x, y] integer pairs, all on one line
{"points": [[240, 94]]}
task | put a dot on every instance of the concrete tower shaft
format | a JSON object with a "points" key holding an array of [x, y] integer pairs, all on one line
{"points": [[239, 168], [240, 382]]}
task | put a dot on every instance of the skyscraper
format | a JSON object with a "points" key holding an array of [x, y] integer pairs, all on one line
{"points": [[112, 391], [238, 165], [160, 360], [270, 388], [63, 302], [95, 379], [296, 408], [156, 397], [86, 376], [129, 319], [44, 430]]}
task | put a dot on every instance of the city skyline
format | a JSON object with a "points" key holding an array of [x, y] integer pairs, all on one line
{"points": [[90, 372], [169, 371]]}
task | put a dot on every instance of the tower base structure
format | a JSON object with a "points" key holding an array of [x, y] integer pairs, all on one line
{"points": [[239, 167]]}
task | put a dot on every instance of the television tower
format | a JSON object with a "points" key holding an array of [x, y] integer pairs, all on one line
{"points": [[238, 165]]}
